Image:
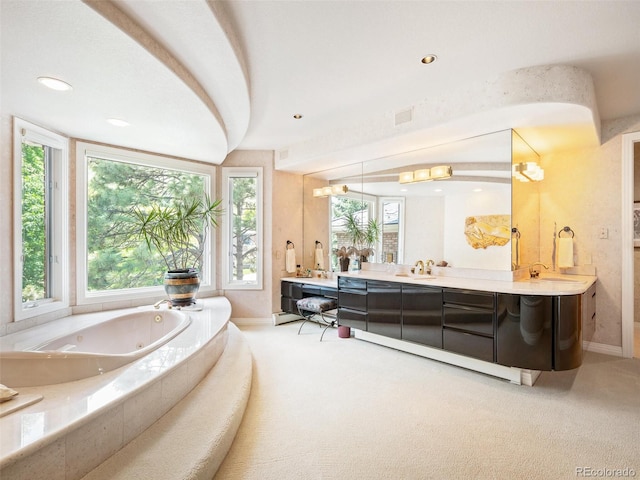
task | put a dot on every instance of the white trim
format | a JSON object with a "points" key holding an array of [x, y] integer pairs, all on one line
{"points": [[227, 174], [60, 242], [626, 243], [150, 160], [603, 348], [252, 321], [515, 375]]}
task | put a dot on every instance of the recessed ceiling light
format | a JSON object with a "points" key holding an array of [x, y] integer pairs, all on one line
{"points": [[297, 116], [427, 59], [404, 189], [477, 189], [437, 189], [117, 122], [55, 84]]}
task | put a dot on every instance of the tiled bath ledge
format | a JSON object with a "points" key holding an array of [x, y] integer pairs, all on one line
{"points": [[78, 425]]}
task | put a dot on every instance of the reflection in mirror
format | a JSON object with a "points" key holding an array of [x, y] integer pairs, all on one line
{"points": [[464, 220], [525, 205]]}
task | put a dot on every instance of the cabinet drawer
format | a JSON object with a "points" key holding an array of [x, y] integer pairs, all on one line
{"points": [[352, 283], [311, 290], [352, 318], [356, 300], [470, 319], [291, 289], [329, 292], [475, 346], [288, 305], [470, 298]]}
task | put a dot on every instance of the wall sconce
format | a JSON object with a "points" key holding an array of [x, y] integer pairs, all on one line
{"points": [[330, 190], [527, 172], [426, 174]]}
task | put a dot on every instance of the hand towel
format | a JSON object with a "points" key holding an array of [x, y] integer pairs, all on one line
{"points": [[319, 259], [290, 260], [565, 252]]}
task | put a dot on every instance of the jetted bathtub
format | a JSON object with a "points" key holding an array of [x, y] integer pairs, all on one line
{"points": [[93, 350]]}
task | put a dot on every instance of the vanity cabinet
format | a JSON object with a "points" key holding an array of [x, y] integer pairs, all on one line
{"points": [[384, 308], [537, 332], [422, 315], [468, 323], [291, 292], [525, 331], [352, 302]]}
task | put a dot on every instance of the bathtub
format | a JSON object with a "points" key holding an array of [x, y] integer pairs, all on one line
{"points": [[79, 424], [92, 350]]}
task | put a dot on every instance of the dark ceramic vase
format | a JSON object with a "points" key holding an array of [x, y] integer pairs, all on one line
{"points": [[344, 264], [182, 286]]}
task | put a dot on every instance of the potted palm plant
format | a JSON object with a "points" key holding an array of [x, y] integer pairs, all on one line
{"points": [[178, 233], [363, 236]]}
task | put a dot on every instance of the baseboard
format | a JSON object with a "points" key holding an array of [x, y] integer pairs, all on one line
{"points": [[251, 321], [602, 348], [512, 374], [283, 317]]}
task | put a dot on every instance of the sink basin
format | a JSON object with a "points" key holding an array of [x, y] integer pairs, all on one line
{"points": [[555, 280], [415, 277]]}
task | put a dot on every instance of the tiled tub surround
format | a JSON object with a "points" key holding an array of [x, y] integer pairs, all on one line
{"points": [[78, 425]]}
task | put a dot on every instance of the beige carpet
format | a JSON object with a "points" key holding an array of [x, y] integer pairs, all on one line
{"points": [[346, 409]]}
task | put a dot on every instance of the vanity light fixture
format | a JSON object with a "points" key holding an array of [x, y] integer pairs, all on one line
{"points": [[297, 116], [441, 171], [330, 190], [117, 122], [55, 84], [527, 172], [426, 174]]}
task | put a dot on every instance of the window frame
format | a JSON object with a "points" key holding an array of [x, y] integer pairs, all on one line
{"points": [[84, 149], [227, 174], [58, 234]]}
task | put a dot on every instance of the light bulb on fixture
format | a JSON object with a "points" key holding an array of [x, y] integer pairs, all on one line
{"points": [[422, 175], [441, 171], [406, 177]]}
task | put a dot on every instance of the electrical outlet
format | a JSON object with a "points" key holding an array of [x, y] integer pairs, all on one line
{"points": [[604, 232]]}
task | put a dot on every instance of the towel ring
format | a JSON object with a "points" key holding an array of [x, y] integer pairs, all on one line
{"points": [[290, 244], [568, 230], [319, 244], [515, 232]]}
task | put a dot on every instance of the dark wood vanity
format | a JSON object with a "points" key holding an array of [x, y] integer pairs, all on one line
{"points": [[516, 330]]}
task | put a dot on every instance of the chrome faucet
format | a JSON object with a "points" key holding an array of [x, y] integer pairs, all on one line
{"points": [[419, 267], [534, 273]]}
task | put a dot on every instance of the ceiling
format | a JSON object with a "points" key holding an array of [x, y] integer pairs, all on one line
{"points": [[198, 79]]}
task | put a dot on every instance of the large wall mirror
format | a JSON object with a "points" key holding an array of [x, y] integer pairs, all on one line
{"points": [[465, 220]]}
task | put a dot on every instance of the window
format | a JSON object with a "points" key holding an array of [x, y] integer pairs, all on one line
{"points": [[40, 233], [112, 263], [392, 223], [242, 223]]}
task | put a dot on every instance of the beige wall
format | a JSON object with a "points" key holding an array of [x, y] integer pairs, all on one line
{"points": [[582, 190]]}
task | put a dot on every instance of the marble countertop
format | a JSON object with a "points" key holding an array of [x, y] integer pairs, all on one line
{"points": [[546, 284]]}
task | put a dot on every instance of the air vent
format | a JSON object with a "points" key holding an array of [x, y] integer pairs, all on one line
{"points": [[404, 116], [284, 154]]}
